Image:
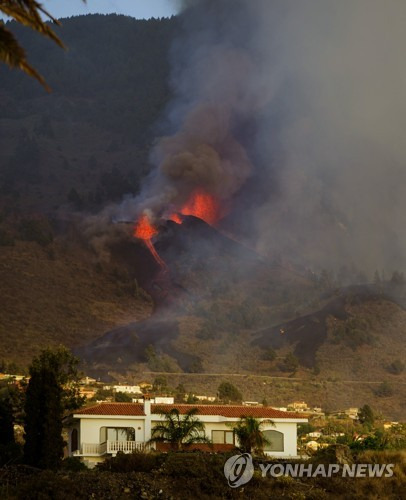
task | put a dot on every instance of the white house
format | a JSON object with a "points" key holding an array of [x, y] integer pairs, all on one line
{"points": [[107, 428], [162, 400], [128, 389]]}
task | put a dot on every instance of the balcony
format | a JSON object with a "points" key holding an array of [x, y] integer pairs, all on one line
{"points": [[110, 448]]}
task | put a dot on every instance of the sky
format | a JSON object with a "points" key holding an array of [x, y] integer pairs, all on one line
{"points": [[135, 8]]}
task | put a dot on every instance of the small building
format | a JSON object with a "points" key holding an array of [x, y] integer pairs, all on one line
{"points": [[161, 400], [209, 399], [312, 445], [108, 428], [352, 413], [127, 389], [87, 380], [389, 425], [299, 406], [87, 393], [314, 435]]}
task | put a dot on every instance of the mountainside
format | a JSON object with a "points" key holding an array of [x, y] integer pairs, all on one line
{"points": [[56, 295], [87, 143], [222, 309], [218, 310]]}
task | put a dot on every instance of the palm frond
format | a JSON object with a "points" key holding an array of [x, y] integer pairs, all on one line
{"points": [[14, 55], [27, 13]]}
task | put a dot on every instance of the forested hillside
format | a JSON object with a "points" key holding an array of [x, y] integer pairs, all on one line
{"points": [[73, 151], [87, 143]]}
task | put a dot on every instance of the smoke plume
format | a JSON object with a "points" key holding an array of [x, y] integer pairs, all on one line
{"points": [[294, 113]]}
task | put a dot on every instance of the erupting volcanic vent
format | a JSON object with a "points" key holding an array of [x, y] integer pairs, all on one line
{"points": [[201, 205], [144, 230]]}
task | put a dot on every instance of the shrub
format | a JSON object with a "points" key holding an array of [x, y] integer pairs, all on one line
{"points": [[6, 240], [228, 392], [396, 368], [384, 390], [269, 354], [132, 462], [122, 397], [36, 230], [290, 363], [73, 464]]}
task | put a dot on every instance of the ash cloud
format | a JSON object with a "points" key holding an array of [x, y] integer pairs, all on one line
{"points": [[215, 87], [294, 112], [328, 82], [337, 155]]}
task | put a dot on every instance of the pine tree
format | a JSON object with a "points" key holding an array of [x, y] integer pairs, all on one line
{"points": [[6, 422], [53, 388], [43, 424]]}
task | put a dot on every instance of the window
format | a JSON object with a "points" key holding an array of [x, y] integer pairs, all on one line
{"points": [[275, 439], [222, 437], [117, 434]]}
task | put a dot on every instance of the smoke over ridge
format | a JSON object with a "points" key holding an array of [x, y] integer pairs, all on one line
{"points": [[294, 113]]}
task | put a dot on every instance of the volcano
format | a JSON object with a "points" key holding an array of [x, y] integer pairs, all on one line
{"points": [[202, 268], [214, 298]]}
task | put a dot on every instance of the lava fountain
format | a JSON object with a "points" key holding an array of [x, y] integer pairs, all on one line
{"points": [[144, 230], [201, 205]]}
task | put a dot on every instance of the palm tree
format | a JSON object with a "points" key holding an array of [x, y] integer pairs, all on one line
{"points": [[179, 429], [249, 434]]}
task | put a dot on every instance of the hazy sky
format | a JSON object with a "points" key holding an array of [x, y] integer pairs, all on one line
{"points": [[134, 8]]}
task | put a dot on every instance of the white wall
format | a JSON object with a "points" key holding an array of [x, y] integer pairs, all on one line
{"points": [[90, 427], [289, 431]]}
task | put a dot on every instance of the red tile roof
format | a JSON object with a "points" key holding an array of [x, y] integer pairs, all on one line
{"points": [[230, 411], [130, 409], [137, 409]]}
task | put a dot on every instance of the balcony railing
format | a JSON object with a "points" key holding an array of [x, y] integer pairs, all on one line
{"points": [[110, 447]]}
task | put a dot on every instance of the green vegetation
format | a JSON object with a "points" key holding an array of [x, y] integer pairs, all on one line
{"points": [[185, 475], [102, 394], [36, 230], [6, 422], [396, 367], [179, 430], [29, 13], [136, 461], [250, 436], [354, 332], [366, 416], [290, 363], [122, 397], [384, 390], [269, 354], [52, 389], [90, 145], [228, 393]]}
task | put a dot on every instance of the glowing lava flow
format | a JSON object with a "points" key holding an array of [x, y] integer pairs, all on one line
{"points": [[144, 230], [201, 205]]}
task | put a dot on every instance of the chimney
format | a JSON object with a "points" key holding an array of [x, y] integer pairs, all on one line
{"points": [[147, 405]]}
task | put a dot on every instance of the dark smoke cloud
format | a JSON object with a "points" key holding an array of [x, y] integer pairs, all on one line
{"points": [[215, 84], [295, 111], [338, 118]]}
